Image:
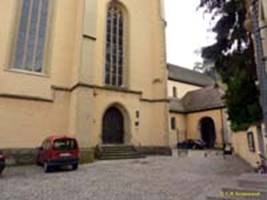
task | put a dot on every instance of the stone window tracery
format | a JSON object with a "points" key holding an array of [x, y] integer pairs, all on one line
{"points": [[31, 36], [114, 46]]}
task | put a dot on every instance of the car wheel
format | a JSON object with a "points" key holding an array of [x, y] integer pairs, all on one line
{"points": [[74, 166], [47, 168]]}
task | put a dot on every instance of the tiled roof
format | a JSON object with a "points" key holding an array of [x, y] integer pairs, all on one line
{"points": [[198, 100], [184, 75]]}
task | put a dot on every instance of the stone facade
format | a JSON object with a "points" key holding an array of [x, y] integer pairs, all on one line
{"points": [[243, 148], [70, 94], [194, 97], [260, 139]]}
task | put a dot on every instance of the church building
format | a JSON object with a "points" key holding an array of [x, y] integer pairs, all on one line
{"points": [[196, 108], [96, 70]]}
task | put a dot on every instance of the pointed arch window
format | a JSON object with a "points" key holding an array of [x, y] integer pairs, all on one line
{"points": [[31, 36], [114, 67]]}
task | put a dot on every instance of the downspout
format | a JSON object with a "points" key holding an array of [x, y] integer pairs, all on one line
{"points": [[222, 130]]}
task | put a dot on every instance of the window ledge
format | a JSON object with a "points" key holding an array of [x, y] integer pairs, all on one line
{"points": [[27, 72], [121, 89]]}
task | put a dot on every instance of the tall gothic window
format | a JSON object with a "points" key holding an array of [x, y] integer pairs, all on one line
{"points": [[31, 35], [114, 46]]}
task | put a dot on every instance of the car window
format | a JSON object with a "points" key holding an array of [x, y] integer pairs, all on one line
{"points": [[65, 144]]}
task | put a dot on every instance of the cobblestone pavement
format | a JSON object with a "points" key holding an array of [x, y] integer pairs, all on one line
{"points": [[153, 178]]}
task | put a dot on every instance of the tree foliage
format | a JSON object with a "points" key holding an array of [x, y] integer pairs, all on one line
{"points": [[233, 58]]}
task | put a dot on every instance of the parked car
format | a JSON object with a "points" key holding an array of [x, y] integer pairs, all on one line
{"points": [[192, 144], [58, 151], [2, 162]]}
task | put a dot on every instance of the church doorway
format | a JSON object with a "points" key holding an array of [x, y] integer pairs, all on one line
{"points": [[113, 126], [208, 132]]}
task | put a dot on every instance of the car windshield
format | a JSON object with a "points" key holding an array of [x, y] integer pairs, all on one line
{"points": [[65, 144]]}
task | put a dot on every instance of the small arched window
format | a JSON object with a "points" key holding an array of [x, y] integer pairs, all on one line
{"points": [[114, 46]]}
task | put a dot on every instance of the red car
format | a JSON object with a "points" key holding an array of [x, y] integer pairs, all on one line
{"points": [[2, 162], [58, 151]]}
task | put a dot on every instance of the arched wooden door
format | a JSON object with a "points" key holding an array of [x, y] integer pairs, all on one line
{"points": [[113, 127], [208, 132]]}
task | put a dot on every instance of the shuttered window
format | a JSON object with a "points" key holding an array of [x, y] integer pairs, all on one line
{"points": [[173, 123]]}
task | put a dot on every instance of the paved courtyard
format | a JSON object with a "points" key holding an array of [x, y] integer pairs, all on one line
{"points": [[153, 178]]}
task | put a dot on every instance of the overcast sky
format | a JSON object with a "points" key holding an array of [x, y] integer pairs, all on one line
{"points": [[187, 31]]}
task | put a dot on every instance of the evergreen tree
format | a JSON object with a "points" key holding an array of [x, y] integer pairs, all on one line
{"points": [[233, 58]]}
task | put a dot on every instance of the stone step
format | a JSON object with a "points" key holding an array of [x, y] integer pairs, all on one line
{"points": [[120, 157], [245, 193], [249, 186], [219, 198], [231, 198], [114, 152], [120, 153], [257, 181], [254, 176], [116, 148], [204, 153]]}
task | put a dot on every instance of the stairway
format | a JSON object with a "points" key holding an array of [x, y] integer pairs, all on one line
{"points": [[115, 152], [248, 187]]}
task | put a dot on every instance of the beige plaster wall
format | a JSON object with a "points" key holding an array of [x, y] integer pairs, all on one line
{"points": [[181, 88], [145, 63], [88, 74], [25, 124], [76, 54], [94, 102], [179, 134], [240, 144], [263, 22], [90, 16], [188, 126], [34, 110], [193, 127], [63, 47], [145, 74]]}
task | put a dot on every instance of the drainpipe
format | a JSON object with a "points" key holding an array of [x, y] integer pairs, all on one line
{"points": [[222, 129]]}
